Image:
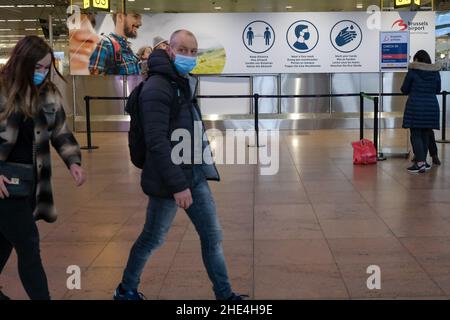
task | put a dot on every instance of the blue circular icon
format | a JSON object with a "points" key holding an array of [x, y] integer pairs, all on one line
{"points": [[302, 36], [258, 36], [346, 36]]}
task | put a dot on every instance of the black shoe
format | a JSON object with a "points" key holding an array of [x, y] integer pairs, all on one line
{"points": [[415, 168], [427, 166], [3, 297], [237, 297], [121, 294], [436, 160]]}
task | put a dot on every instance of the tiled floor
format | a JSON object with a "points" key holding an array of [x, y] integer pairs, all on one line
{"points": [[309, 232]]}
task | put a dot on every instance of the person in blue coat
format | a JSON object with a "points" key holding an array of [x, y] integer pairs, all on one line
{"points": [[421, 115]]}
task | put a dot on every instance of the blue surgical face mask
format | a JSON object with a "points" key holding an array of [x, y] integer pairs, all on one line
{"points": [[39, 77], [185, 64]]}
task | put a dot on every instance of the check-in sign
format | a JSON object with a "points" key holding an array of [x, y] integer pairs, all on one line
{"points": [[97, 4], [394, 48]]}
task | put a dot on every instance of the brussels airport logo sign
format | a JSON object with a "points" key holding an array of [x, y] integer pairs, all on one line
{"points": [[412, 26], [401, 25]]}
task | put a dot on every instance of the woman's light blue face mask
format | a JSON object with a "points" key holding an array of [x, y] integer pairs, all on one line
{"points": [[39, 77], [185, 64]]}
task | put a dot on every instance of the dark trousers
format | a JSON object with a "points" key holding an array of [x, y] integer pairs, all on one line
{"points": [[432, 146], [18, 230], [420, 143]]}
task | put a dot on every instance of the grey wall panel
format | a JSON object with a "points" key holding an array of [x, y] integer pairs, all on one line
{"points": [[266, 85], [353, 83], [111, 86], [294, 84], [370, 82], [132, 82], [392, 82], [66, 89], [445, 80], [342, 83], [225, 86]]}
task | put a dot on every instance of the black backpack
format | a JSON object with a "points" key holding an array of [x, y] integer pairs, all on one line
{"points": [[136, 138]]}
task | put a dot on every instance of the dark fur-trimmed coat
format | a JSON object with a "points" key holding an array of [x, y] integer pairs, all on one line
{"points": [[422, 83], [49, 126]]}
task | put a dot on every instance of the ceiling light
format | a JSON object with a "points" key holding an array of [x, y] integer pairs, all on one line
{"points": [[12, 36], [147, 9], [218, 8], [288, 7], [359, 5]]}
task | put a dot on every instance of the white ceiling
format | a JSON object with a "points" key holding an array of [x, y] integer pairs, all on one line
{"points": [[17, 19]]}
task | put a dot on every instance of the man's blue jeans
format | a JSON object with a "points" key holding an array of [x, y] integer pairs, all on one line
{"points": [[160, 214]]}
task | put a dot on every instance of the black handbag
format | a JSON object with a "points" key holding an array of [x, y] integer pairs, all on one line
{"points": [[21, 177]]}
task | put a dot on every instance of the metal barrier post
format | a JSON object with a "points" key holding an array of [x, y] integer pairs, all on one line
{"points": [[375, 123], [361, 115], [256, 107], [380, 156], [89, 146], [444, 118]]}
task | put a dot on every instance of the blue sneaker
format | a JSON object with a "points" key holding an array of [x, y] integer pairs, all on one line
{"points": [[121, 294]]}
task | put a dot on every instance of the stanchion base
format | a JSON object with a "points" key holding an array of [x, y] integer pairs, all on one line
{"points": [[89, 148], [443, 141], [381, 157], [255, 146]]}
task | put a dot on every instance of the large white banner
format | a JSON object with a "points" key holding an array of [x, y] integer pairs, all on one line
{"points": [[304, 42]]}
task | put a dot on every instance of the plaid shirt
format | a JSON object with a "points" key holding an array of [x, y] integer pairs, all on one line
{"points": [[102, 60]]}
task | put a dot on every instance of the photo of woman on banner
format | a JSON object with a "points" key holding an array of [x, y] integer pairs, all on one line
{"points": [[82, 43]]}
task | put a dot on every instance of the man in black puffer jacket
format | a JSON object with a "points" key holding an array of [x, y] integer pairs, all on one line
{"points": [[175, 177]]}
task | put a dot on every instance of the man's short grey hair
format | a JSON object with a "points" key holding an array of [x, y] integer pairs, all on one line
{"points": [[176, 33]]}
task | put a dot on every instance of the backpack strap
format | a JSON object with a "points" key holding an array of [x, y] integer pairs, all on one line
{"points": [[117, 52]]}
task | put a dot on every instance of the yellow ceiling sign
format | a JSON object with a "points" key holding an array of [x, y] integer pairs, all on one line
{"points": [[96, 4], [405, 3]]}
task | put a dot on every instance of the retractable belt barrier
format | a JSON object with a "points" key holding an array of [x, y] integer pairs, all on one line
{"points": [[362, 95]]}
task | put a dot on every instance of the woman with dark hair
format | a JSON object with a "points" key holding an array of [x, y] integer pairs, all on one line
{"points": [[421, 115], [31, 116]]}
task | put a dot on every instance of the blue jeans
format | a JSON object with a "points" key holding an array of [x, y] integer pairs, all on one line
{"points": [[160, 214]]}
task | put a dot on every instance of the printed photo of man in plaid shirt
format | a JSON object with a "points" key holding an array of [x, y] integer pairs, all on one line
{"points": [[113, 54]]}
